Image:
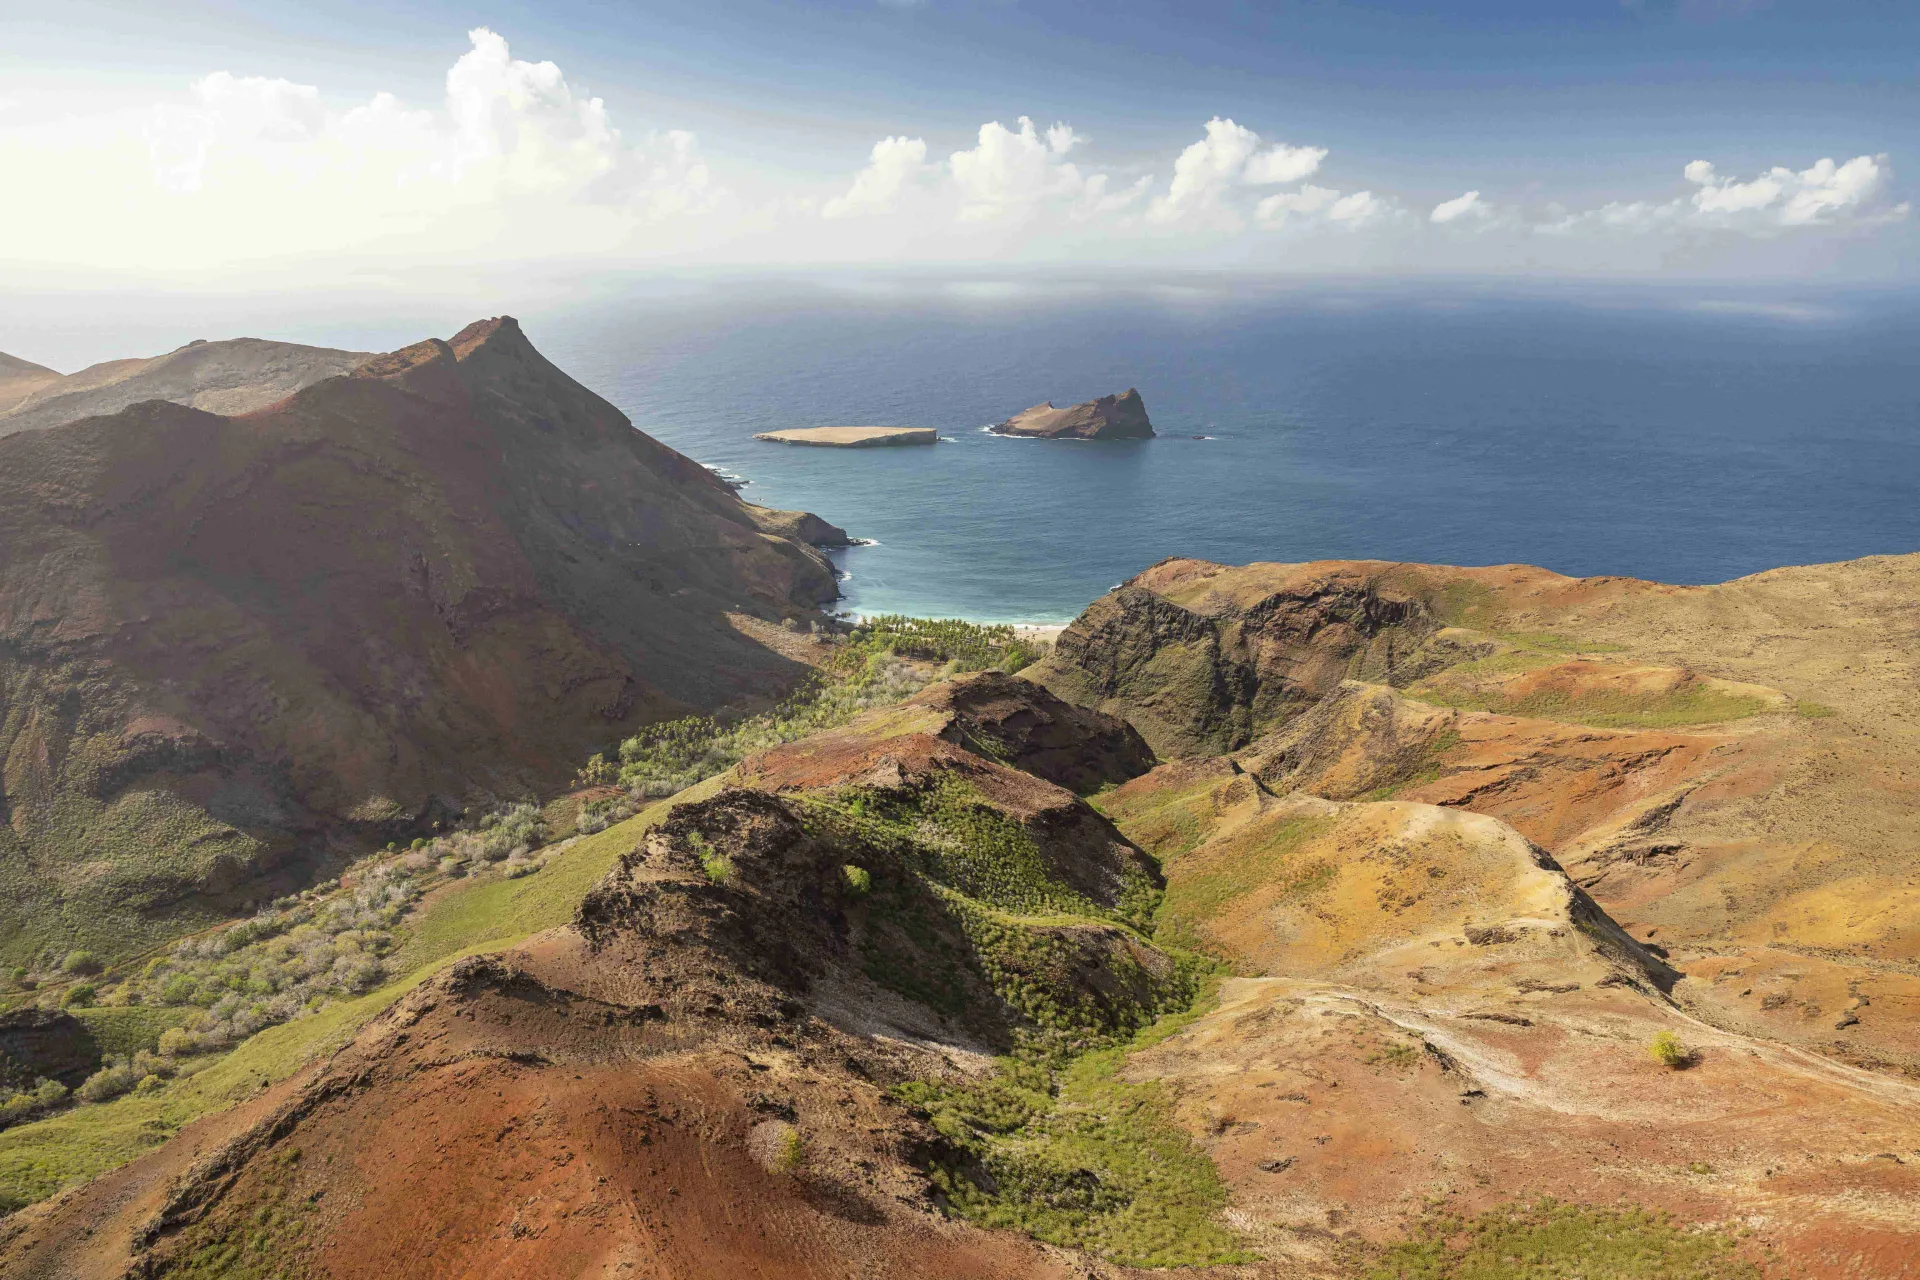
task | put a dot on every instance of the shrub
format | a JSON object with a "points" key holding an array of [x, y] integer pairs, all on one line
{"points": [[792, 1150], [108, 1083], [859, 880], [81, 964], [176, 1041], [50, 1093], [1668, 1051], [80, 996], [598, 771]]}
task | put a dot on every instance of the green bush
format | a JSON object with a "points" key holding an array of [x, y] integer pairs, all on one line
{"points": [[109, 1082], [81, 964], [80, 995], [1549, 1239], [1668, 1051], [859, 880]]}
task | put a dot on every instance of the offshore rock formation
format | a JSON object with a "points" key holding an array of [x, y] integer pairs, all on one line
{"points": [[1115, 417], [444, 578], [853, 437], [232, 377]]}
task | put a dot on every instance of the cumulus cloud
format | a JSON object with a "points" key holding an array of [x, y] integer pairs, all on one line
{"points": [[1276, 209], [1008, 174], [1008, 177], [1825, 193], [1467, 208], [1780, 200], [507, 129], [1227, 158], [894, 165]]}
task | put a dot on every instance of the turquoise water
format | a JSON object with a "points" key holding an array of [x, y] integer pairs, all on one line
{"points": [[1627, 433]]}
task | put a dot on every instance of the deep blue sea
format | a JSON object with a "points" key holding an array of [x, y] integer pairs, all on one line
{"points": [[1665, 434]]}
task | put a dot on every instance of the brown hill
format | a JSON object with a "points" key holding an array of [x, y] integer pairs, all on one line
{"points": [[232, 377], [20, 380], [442, 579]]}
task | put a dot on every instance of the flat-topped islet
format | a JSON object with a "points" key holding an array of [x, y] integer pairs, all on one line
{"points": [[853, 437], [1115, 417]]}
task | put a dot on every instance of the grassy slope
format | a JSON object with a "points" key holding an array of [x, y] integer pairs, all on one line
{"points": [[37, 1160]]}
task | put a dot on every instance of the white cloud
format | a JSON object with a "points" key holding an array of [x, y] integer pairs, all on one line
{"points": [[1775, 202], [1275, 209], [894, 164], [1360, 207], [1007, 175], [516, 164], [1467, 208], [1228, 157], [1823, 194]]}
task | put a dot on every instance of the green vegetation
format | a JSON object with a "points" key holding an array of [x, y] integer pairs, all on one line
{"points": [[1484, 685], [881, 662], [949, 833], [790, 1153], [1552, 1241], [1075, 1156], [717, 865], [1813, 710], [263, 1243], [1167, 821], [1668, 1050], [1259, 856], [1465, 603], [1052, 1142], [859, 880], [463, 916]]}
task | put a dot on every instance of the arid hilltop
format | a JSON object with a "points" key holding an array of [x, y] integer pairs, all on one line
{"points": [[226, 641], [232, 377]]}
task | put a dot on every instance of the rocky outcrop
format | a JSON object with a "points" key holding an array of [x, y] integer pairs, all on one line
{"points": [[232, 377], [45, 1044], [1201, 659], [1115, 417], [1020, 723], [798, 526], [443, 579]]}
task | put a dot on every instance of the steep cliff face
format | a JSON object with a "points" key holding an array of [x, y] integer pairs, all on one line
{"points": [[441, 579], [235, 376]]}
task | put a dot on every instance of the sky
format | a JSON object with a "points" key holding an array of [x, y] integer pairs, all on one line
{"points": [[213, 144]]}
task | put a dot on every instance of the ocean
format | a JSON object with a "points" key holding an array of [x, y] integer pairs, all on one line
{"points": [[1682, 436]]}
